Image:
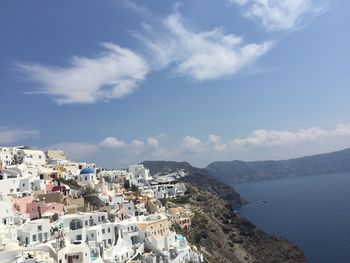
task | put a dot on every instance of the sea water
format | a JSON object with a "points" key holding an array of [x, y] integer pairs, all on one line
{"points": [[313, 212]]}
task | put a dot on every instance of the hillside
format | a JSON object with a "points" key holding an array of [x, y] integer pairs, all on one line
{"points": [[233, 172], [220, 234], [225, 237], [197, 177]]}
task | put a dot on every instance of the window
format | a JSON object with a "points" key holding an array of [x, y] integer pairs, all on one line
{"points": [[109, 241], [109, 230], [103, 231], [40, 228], [34, 238], [85, 178], [92, 235]]}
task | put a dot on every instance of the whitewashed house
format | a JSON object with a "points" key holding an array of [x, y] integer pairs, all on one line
{"points": [[34, 157], [6, 156], [92, 228], [138, 174], [76, 252], [34, 232]]}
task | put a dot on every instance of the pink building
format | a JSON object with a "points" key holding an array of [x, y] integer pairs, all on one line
{"points": [[20, 204], [34, 209], [54, 208]]}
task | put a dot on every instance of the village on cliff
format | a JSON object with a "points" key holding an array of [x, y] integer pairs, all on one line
{"points": [[55, 210]]}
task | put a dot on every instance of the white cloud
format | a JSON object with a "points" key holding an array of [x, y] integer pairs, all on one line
{"points": [[202, 56], [153, 142], [9, 136], [191, 144], [279, 14], [141, 10], [217, 143], [137, 147], [113, 74], [342, 129], [261, 144], [272, 137], [111, 142]]}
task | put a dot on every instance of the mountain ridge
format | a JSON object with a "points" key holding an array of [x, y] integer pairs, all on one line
{"points": [[233, 172]]}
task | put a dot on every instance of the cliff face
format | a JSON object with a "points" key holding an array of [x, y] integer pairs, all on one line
{"points": [[224, 236], [220, 234], [197, 177], [241, 172]]}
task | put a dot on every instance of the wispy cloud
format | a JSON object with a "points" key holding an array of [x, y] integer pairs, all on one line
{"points": [[139, 9], [165, 43], [278, 15], [10, 136], [260, 144], [115, 73], [273, 137], [202, 55]]}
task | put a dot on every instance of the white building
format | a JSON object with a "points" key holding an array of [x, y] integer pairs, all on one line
{"points": [[34, 157], [93, 228], [6, 158], [34, 232], [87, 176], [138, 174], [55, 155], [8, 219], [76, 252], [20, 186]]}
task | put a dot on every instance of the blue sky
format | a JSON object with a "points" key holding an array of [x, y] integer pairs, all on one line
{"points": [[199, 80]]}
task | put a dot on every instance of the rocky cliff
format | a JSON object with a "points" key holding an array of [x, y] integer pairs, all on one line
{"points": [[224, 236]]}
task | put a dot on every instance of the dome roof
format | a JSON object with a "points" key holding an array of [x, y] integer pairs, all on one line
{"points": [[87, 170]]}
